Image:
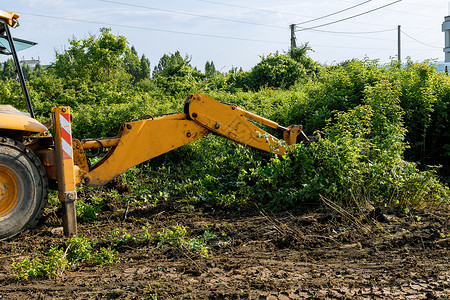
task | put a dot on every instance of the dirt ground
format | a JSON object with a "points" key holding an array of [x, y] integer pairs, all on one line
{"points": [[253, 255]]}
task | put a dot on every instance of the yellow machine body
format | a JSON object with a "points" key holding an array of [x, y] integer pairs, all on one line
{"points": [[13, 120], [9, 17]]}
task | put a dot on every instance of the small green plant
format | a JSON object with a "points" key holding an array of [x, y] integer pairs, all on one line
{"points": [[54, 265], [121, 235], [207, 235], [53, 201], [58, 260], [105, 256], [176, 236], [197, 245], [80, 249], [147, 236], [86, 211]]}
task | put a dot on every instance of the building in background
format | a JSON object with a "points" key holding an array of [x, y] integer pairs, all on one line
{"points": [[30, 62], [445, 65]]}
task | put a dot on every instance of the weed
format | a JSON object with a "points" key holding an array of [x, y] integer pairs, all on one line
{"points": [[105, 256], [198, 246], [121, 235], [86, 211], [80, 249], [176, 236], [54, 265], [147, 236], [58, 260]]}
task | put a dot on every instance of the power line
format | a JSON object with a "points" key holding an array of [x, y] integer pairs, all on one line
{"points": [[349, 47], [415, 13], [292, 14], [252, 8], [335, 13], [153, 29], [428, 45], [191, 14], [354, 32], [351, 17]]}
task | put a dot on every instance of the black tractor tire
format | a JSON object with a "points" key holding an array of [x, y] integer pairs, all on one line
{"points": [[23, 188]]}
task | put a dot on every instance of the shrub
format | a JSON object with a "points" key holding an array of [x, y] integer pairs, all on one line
{"points": [[275, 70], [358, 161]]}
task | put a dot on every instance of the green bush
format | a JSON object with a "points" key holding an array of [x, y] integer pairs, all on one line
{"points": [[357, 161], [275, 70], [383, 128]]}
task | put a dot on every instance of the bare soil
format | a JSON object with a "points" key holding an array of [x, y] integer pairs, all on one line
{"points": [[254, 255]]}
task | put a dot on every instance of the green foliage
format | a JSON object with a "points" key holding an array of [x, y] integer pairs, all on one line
{"points": [[147, 235], [138, 68], [168, 63], [54, 265], [384, 128], [87, 211], [176, 236], [299, 54], [93, 58], [80, 249], [357, 161], [8, 70], [121, 235], [105, 256], [58, 260], [175, 75], [210, 69], [275, 70]]}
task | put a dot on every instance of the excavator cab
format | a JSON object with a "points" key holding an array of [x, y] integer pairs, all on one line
{"points": [[16, 124]]}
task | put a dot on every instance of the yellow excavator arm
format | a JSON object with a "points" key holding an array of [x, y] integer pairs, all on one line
{"points": [[10, 18], [141, 140], [29, 157]]}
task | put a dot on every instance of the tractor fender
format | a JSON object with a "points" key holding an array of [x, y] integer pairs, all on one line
{"points": [[13, 119]]}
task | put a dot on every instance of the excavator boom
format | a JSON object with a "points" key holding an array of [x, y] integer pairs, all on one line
{"points": [[141, 140]]}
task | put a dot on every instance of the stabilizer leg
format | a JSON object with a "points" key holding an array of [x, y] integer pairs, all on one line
{"points": [[67, 192]]}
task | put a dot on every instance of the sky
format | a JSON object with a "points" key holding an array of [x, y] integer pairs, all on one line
{"points": [[237, 33]]}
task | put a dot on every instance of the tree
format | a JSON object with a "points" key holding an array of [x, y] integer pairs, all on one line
{"points": [[8, 70], [138, 68], [27, 72], [210, 69], [300, 55], [275, 70], [96, 58], [131, 63], [144, 70], [38, 70], [169, 64], [174, 74]]}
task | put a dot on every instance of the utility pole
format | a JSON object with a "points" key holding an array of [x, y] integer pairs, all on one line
{"points": [[293, 43], [399, 44]]}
